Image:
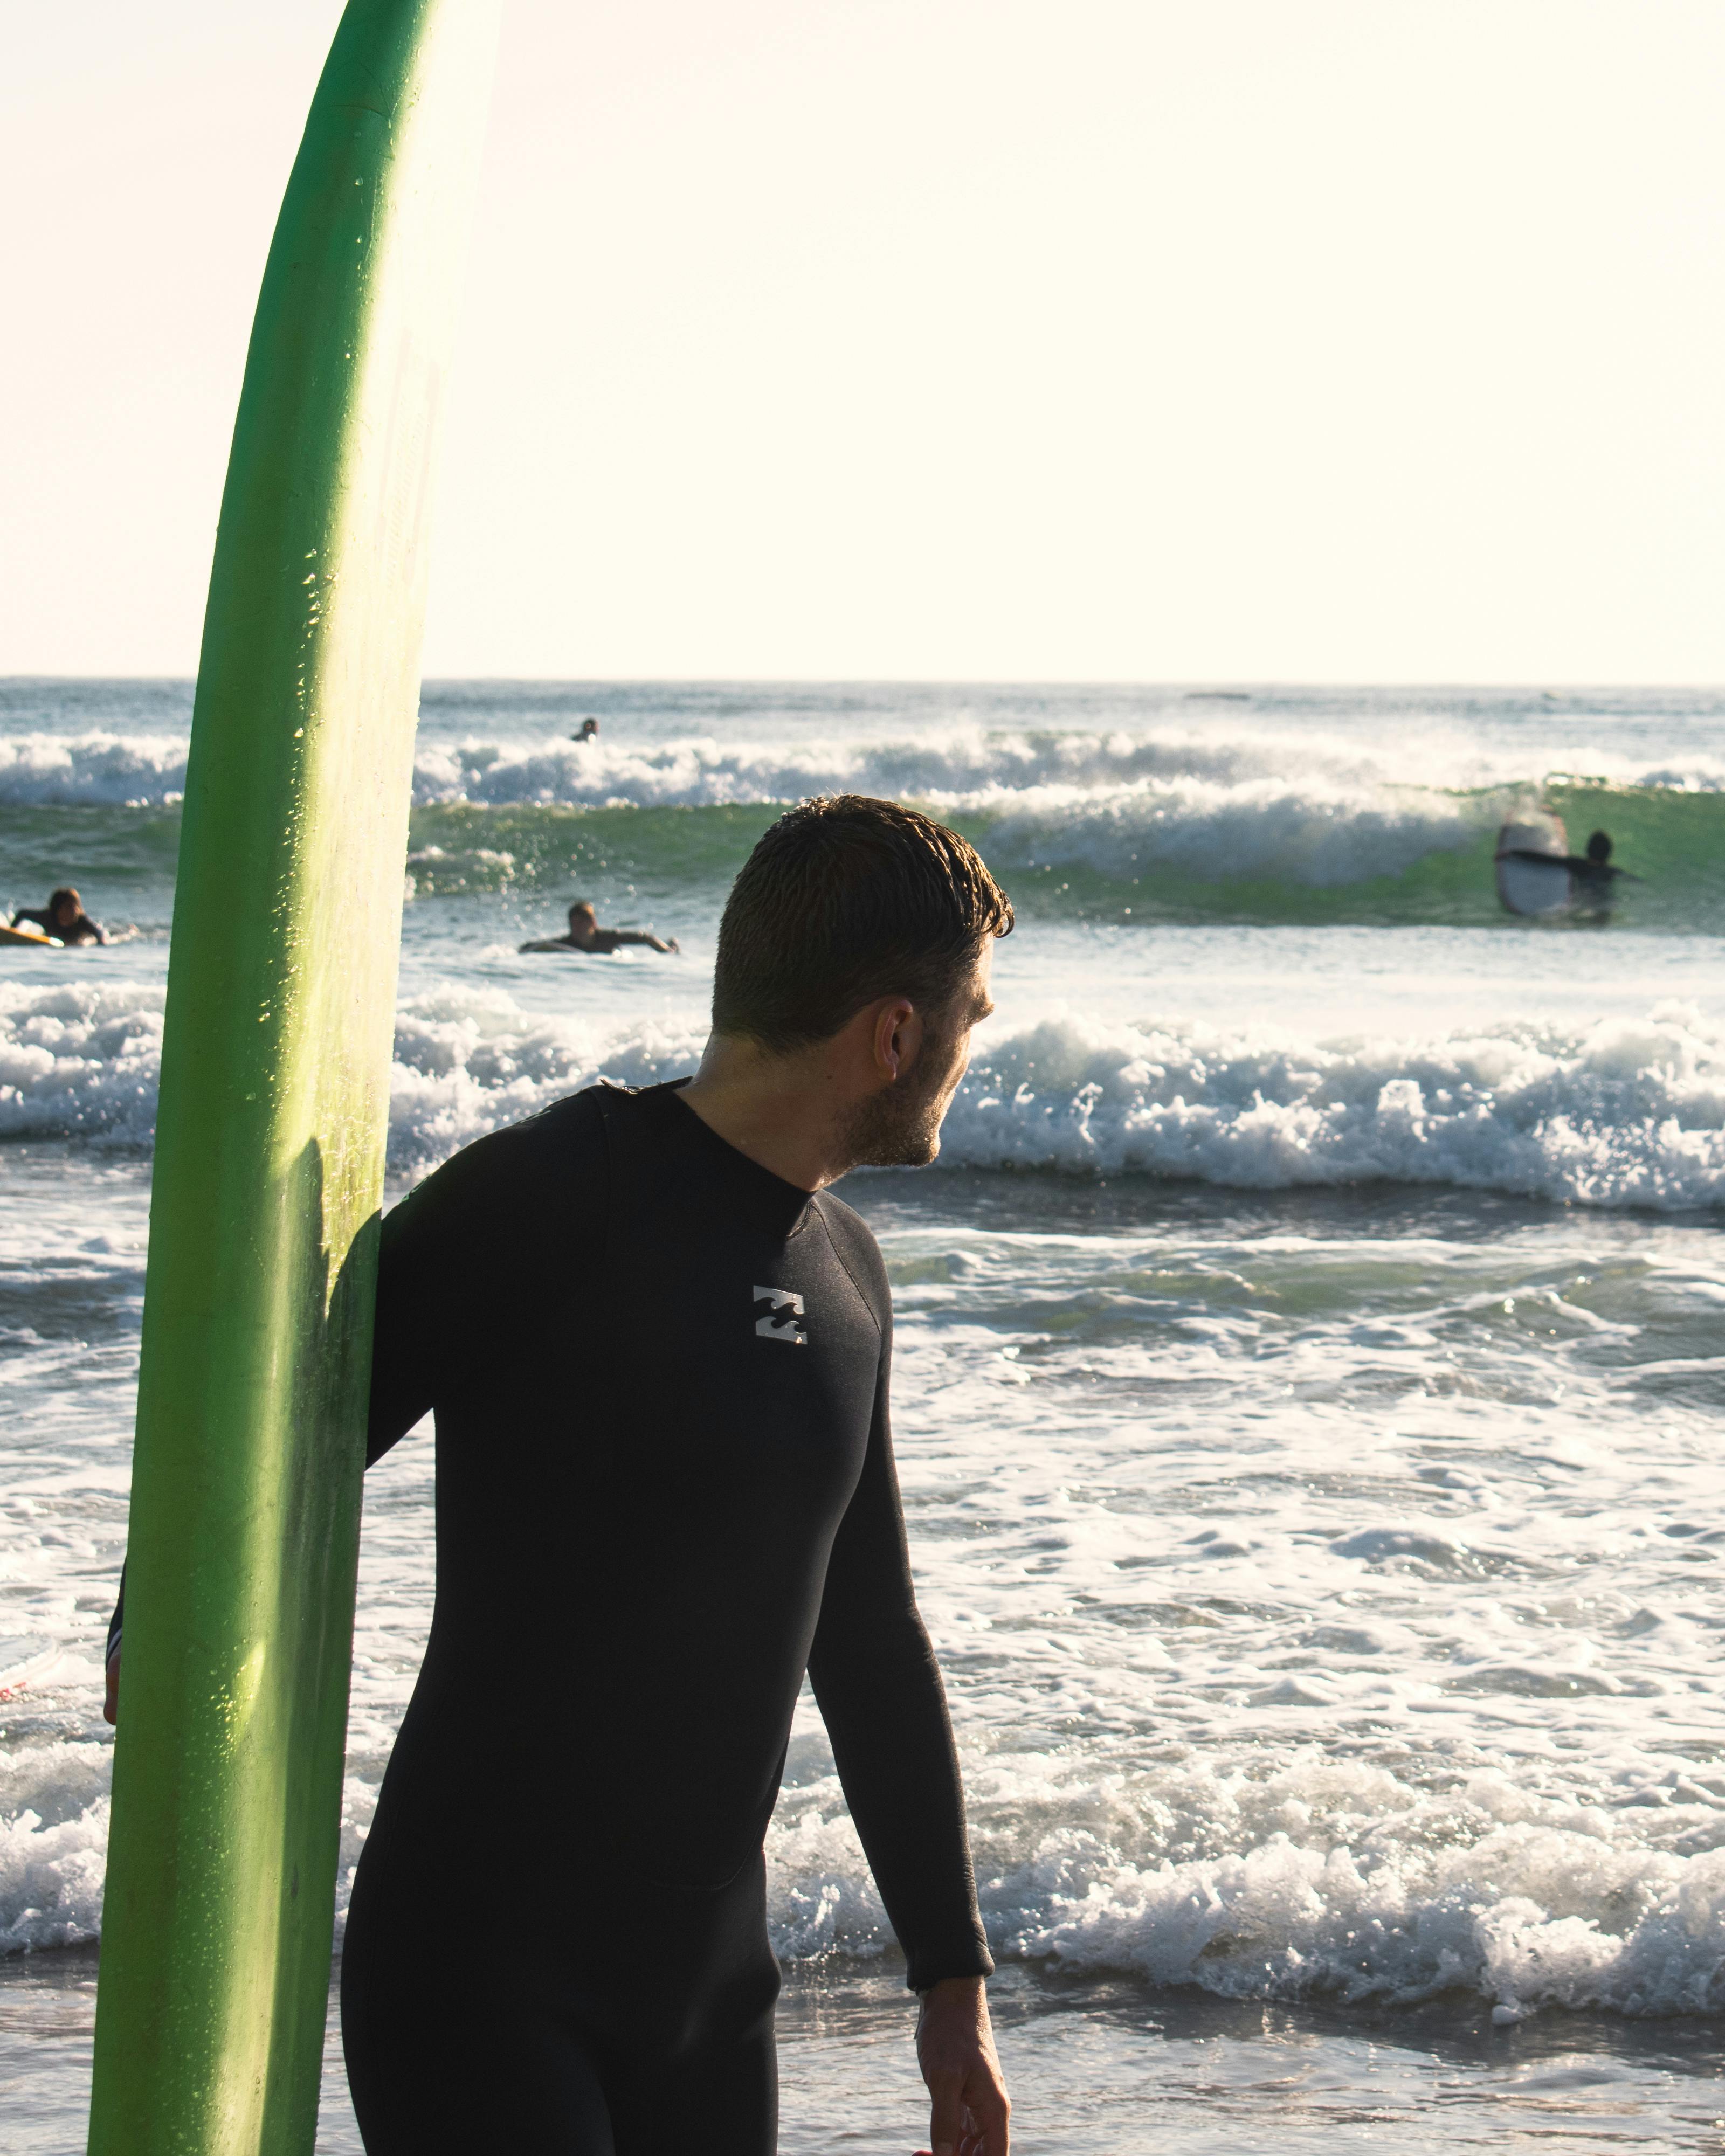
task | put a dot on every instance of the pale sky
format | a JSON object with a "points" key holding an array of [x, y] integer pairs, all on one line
{"points": [[1054, 340]]}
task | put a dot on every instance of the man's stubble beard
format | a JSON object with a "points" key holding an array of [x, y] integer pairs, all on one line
{"points": [[900, 1126]]}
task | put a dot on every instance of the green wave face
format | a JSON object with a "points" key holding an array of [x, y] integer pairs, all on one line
{"points": [[1087, 862], [458, 848], [1673, 841], [43, 845]]}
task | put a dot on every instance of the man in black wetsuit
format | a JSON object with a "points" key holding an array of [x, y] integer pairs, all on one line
{"points": [[657, 1353], [62, 917], [1591, 875], [585, 934]]}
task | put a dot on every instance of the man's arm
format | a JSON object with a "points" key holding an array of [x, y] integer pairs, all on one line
{"points": [[411, 1323], [110, 1702], [879, 1687]]}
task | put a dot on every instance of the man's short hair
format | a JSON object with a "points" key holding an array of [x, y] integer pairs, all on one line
{"points": [[844, 899]]}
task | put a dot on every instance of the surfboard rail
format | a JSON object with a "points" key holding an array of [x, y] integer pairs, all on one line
{"points": [[255, 1356], [1532, 888]]}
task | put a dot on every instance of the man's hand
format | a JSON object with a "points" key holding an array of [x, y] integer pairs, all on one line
{"points": [[111, 1709], [955, 2049]]}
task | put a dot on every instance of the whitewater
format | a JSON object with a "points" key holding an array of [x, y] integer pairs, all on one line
{"points": [[1628, 1112], [1308, 1382]]}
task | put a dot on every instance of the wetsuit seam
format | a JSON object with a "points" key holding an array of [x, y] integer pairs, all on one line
{"points": [[868, 1301]]}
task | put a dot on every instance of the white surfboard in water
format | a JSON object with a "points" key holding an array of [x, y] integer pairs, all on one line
{"points": [[1534, 887]]}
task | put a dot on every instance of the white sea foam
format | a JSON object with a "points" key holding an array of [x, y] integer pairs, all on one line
{"points": [[54, 1837], [79, 1060], [976, 767], [1322, 1878], [1627, 1112], [96, 770]]}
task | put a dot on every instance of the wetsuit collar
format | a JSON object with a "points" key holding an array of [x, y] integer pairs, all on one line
{"points": [[766, 1199]]}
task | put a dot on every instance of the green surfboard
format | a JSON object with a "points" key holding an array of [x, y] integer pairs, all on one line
{"points": [[244, 1530]]}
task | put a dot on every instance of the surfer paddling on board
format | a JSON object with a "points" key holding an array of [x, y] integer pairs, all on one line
{"points": [[1591, 875], [589, 731], [585, 934], [657, 1352], [63, 917]]}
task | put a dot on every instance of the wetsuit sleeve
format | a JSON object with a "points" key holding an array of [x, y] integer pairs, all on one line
{"points": [[879, 1686], [401, 1363], [410, 1320]]}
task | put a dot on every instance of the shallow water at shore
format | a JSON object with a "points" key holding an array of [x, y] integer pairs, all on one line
{"points": [[1130, 2071]]}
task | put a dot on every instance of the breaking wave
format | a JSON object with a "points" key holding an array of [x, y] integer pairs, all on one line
{"points": [[1628, 1112], [1163, 811], [1325, 1879], [1177, 822]]}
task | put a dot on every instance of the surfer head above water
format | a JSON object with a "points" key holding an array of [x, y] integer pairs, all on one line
{"points": [[1593, 871], [585, 934], [64, 916]]}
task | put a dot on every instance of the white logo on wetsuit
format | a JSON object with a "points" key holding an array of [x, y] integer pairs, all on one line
{"points": [[778, 1315]]}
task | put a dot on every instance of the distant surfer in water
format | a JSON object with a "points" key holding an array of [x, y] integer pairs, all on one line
{"points": [[585, 934], [657, 1350], [589, 731], [1591, 875], [62, 917]]}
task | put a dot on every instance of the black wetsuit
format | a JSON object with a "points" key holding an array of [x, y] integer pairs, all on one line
{"points": [[665, 1485], [601, 944], [83, 930]]}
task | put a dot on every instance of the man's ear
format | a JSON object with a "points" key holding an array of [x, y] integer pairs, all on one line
{"points": [[898, 1036]]}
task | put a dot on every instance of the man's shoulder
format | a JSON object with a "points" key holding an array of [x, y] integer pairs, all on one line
{"points": [[569, 1126], [858, 1253], [541, 1156]]}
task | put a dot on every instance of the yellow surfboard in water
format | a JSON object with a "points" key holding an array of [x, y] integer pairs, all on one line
{"points": [[269, 1145]]}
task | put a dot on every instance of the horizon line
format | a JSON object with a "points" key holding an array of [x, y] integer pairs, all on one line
{"points": [[1544, 684]]}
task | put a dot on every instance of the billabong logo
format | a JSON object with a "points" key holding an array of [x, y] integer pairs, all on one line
{"points": [[778, 1315]]}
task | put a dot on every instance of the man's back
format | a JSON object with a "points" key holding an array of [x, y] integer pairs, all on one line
{"points": [[664, 1485]]}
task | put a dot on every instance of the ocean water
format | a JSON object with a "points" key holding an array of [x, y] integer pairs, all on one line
{"points": [[1307, 1392]]}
